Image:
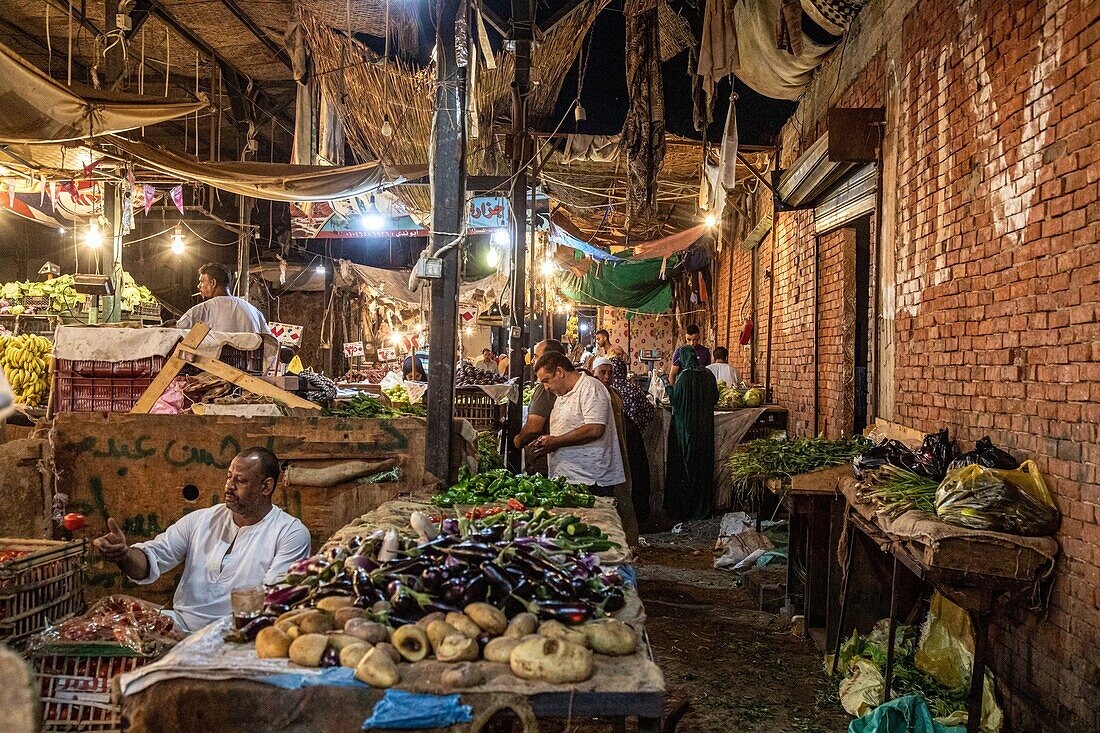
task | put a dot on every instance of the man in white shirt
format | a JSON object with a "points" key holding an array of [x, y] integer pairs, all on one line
{"points": [[245, 542], [488, 361], [222, 311], [721, 369], [583, 446]]}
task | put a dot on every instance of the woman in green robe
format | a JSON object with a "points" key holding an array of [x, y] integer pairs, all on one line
{"points": [[689, 471]]}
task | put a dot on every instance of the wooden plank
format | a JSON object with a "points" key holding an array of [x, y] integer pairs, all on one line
{"points": [[248, 382], [170, 370]]}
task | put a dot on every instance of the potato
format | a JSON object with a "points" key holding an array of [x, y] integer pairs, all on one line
{"points": [[521, 625], [610, 636], [308, 649], [438, 631], [411, 642], [352, 654], [331, 604], [389, 650], [551, 660], [500, 649], [464, 624], [315, 622], [377, 669], [558, 630], [427, 621], [292, 614], [338, 640], [463, 675], [272, 643], [457, 648], [341, 616], [369, 631], [294, 631], [488, 618], [284, 626]]}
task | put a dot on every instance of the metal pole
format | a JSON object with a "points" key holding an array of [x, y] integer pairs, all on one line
{"points": [[522, 25], [448, 180], [112, 211]]}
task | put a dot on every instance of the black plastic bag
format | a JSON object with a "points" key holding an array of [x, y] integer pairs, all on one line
{"points": [[888, 451], [988, 455], [935, 455]]}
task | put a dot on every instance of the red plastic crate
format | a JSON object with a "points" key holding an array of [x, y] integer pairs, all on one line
{"points": [[102, 386], [76, 692], [43, 587], [251, 362]]}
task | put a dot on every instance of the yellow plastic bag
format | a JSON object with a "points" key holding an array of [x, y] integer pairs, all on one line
{"points": [[1016, 502]]}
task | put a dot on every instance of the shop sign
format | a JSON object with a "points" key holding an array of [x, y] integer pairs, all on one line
{"points": [[355, 348], [287, 334]]}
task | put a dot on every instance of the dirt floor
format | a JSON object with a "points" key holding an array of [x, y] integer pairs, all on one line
{"points": [[739, 669]]}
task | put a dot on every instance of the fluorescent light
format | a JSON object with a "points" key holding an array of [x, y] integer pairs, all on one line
{"points": [[584, 327], [320, 269]]}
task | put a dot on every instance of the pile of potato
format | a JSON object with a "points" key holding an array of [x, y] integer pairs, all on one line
{"points": [[336, 632]]}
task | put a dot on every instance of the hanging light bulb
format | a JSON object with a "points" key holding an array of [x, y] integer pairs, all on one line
{"points": [[578, 112], [177, 240], [61, 231], [492, 257], [468, 330], [320, 269], [711, 220], [94, 238], [547, 268], [373, 220], [501, 237], [387, 127]]}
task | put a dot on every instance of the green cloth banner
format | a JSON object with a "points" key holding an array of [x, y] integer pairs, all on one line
{"points": [[635, 286]]}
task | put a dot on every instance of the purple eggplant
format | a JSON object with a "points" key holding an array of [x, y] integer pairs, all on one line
{"points": [[431, 580], [253, 627], [476, 591], [454, 591], [331, 658]]}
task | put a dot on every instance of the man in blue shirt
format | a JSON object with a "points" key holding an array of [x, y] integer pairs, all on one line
{"points": [[702, 353]]}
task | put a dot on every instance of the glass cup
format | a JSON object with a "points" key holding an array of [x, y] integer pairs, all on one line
{"points": [[247, 603]]}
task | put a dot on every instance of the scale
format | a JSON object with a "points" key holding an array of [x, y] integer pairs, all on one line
{"points": [[649, 357], [94, 286]]}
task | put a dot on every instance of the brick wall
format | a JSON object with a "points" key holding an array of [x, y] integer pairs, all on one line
{"points": [[996, 117]]}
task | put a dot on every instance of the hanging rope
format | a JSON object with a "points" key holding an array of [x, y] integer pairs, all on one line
{"points": [[49, 43], [196, 97], [70, 38], [167, 59]]}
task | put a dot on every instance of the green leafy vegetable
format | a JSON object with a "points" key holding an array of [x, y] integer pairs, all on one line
{"points": [[500, 485], [754, 462]]}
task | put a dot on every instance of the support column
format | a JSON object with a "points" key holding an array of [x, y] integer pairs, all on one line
{"points": [[448, 177], [522, 23], [244, 245], [112, 212]]}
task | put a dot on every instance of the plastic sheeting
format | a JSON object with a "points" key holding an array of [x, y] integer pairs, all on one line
{"points": [[267, 181], [36, 109], [635, 286]]}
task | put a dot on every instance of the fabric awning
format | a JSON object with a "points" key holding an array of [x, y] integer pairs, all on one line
{"points": [[36, 109], [670, 245], [267, 181], [564, 238], [635, 286]]}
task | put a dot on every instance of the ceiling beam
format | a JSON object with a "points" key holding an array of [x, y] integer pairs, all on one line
{"points": [[495, 21], [561, 14], [278, 51], [140, 13]]}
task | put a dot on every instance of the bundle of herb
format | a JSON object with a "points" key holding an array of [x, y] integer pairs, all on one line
{"points": [[894, 491], [759, 460]]}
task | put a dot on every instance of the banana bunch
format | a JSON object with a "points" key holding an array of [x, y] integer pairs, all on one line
{"points": [[27, 361]]}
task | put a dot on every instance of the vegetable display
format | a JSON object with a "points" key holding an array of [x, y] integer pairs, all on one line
{"points": [[398, 393], [113, 621], [488, 456], [895, 491], [62, 294], [468, 375], [501, 485], [27, 361], [758, 460], [528, 394], [365, 406], [561, 530]]}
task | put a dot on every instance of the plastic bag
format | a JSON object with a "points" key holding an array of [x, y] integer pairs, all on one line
{"points": [[930, 460], [391, 380], [1016, 502], [403, 710], [988, 455], [935, 455], [888, 451], [656, 391], [115, 621], [908, 714]]}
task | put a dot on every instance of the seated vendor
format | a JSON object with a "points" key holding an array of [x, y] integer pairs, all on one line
{"points": [[220, 310], [245, 542]]}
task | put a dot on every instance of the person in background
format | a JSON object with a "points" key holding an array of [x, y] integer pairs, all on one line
{"points": [[637, 414], [412, 369], [602, 345], [245, 542], [689, 475], [695, 342], [220, 310], [488, 361], [503, 362], [538, 413], [603, 371], [721, 369]]}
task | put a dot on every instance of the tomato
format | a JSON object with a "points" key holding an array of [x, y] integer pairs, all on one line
{"points": [[516, 505], [73, 521]]}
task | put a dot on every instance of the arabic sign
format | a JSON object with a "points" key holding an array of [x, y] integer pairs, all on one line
{"points": [[387, 354], [355, 348], [286, 333], [347, 218]]}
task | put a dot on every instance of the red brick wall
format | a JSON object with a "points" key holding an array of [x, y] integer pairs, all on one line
{"points": [[997, 323]]}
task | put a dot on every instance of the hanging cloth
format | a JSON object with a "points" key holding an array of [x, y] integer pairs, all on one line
{"points": [[718, 50], [644, 129]]}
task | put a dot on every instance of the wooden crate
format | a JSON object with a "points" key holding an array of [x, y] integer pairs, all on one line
{"points": [[40, 588], [481, 410], [75, 691]]}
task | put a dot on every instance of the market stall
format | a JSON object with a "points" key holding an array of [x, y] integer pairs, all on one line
{"points": [[201, 683]]}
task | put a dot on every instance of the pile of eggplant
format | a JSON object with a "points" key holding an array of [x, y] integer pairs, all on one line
{"points": [[450, 570]]}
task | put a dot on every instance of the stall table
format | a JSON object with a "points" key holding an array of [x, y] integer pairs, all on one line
{"points": [[205, 684], [977, 570]]}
